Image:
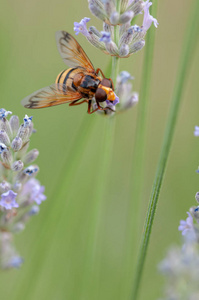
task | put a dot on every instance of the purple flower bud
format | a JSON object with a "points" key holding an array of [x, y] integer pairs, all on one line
{"points": [[2, 147], [81, 27], [7, 158], [126, 17], [34, 210], [97, 9], [196, 132], [4, 138], [4, 113], [8, 200], [14, 123], [114, 18], [31, 170], [4, 186], [27, 121], [106, 37], [124, 50], [148, 19], [17, 166], [136, 46], [16, 144], [197, 197], [23, 133], [186, 226], [35, 191], [31, 156]]}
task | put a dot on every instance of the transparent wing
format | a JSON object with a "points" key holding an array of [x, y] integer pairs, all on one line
{"points": [[71, 51], [52, 95]]}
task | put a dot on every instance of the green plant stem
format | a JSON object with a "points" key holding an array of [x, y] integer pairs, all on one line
{"points": [[100, 192], [188, 48], [137, 172]]}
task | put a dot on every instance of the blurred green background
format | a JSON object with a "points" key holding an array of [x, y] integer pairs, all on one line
{"points": [[55, 242]]}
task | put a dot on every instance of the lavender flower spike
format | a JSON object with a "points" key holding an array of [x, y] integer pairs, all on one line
{"points": [[148, 19], [81, 27], [186, 226], [196, 132], [8, 200]]}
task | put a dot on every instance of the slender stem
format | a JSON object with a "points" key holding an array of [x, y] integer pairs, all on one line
{"points": [[103, 176], [137, 172], [188, 48]]}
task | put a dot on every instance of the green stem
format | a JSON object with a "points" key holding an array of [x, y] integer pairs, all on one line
{"points": [[137, 172], [103, 176], [188, 48]]}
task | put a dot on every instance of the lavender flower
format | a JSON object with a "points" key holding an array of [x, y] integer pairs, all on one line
{"points": [[27, 121], [81, 27], [4, 113], [124, 91], [19, 190], [34, 191], [8, 200], [106, 37], [148, 19], [196, 132], [186, 226]]}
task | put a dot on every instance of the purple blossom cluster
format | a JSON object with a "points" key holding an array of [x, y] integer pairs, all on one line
{"points": [[20, 193], [131, 37]]}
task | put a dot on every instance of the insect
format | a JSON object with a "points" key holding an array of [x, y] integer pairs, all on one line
{"points": [[80, 81]]}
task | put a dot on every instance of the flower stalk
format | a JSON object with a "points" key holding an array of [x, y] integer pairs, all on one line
{"points": [[188, 48]]}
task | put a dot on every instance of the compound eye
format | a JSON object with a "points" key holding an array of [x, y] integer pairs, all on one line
{"points": [[100, 95], [106, 82]]}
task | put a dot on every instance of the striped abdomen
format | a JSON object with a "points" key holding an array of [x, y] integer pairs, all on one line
{"points": [[67, 77]]}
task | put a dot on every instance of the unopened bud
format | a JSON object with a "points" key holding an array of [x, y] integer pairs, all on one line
{"points": [[136, 6], [194, 210], [114, 18], [7, 157], [3, 147], [4, 187], [17, 166], [197, 197], [5, 125], [23, 133], [136, 46], [126, 17], [97, 9], [16, 144], [4, 138], [31, 170], [34, 210], [124, 50], [112, 48], [31, 156], [14, 123]]}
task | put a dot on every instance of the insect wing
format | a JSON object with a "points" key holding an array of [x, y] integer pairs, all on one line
{"points": [[52, 95], [71, 52]]}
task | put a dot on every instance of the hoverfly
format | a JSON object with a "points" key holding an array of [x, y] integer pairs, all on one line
{"points": [[71, 85]]}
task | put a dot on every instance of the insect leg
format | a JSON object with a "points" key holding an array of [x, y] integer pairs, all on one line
{"points": [[89, 108], [99, 70], [78, 103]]}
